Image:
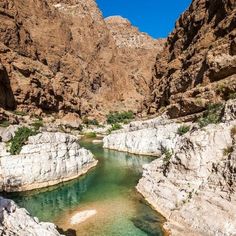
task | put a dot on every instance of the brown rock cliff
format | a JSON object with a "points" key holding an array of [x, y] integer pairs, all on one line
{"points": [[199, 62], [60, 56]]}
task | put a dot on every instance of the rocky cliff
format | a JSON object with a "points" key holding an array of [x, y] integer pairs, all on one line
{"points": [[137, 53], [18, 222], [47, 159], [61, 56], [198, 65]]}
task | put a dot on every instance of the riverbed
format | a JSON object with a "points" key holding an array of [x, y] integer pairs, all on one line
{"points": [[105, 197]]}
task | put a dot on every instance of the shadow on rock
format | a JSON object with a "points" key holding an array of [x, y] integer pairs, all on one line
{"points": [[68, 232]]}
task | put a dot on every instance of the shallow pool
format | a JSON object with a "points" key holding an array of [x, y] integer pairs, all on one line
{"points": [[108, 190]]}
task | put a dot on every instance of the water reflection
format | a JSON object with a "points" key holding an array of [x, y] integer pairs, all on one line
{"points": [[48, 203], [109, 188]]}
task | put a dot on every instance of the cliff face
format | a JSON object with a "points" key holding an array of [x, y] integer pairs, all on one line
{"points": [[60, 56], [199, 61], [137, 53]]}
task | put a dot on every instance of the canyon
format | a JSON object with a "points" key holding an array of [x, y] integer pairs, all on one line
{"points": [[65, 67], [57, 65]]}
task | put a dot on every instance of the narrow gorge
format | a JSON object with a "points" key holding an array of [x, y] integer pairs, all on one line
{"points": [[106, 130]]}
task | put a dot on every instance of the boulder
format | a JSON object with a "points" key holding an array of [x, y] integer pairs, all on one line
{"points": [[71, 120], [16, 221], [7, 133]]}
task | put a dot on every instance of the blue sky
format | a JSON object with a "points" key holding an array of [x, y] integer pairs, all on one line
{"points": [[155, 17]]}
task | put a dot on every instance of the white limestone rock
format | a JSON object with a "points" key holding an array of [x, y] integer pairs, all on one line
{"points": [[196, 189], [47, 159], [15, 221], [7, 133], [144, 137], [230, 110]]}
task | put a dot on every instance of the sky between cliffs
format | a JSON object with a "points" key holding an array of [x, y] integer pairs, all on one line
{"points": [[155, 17]]}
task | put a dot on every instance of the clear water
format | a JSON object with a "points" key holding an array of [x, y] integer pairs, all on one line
{"points": [[109, 189]]}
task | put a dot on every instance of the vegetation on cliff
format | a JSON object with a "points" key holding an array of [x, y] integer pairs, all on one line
{"points": [[19, 140]]}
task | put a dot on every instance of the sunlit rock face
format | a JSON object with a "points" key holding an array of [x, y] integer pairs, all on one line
{"points": [[128, 36], [146, 138], [193, 182], [197, 66], [47, 159], [62, 56], [195, 187], [17, 221]]}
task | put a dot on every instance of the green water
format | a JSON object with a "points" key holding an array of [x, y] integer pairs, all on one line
{"points": [[109, 189]]}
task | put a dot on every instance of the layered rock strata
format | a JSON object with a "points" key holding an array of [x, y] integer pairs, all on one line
{"points": [[144, 137], [195, 189], [47, 159], [198, 64], [15, 221], [61, 56]]}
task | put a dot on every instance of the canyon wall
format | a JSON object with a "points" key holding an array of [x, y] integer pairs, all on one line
{"points": [[61, 56], [198, 65]]}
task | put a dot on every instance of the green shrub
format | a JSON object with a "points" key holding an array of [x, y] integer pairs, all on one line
{"points": [[167, 155], [37, 124], [20, 113], [4, 123], [114, 127], [62, 129], [228, 150], [90, 135], [21, 137], [119, 117], [221, 88], [212, 115], [232, 95], [90, 122], [199, 102], [183, 129]]}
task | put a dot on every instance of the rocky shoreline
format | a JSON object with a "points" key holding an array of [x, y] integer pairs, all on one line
{"points": [[192, 183], [17, 221], [144, 137], [47, 159]]}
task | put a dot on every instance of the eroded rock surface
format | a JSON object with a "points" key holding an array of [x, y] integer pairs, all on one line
{"points": [[15, 221], [150, 137], [128, 36], [61, 56], [193, 182], [198, 65], [47, 159], [195, 188]]}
